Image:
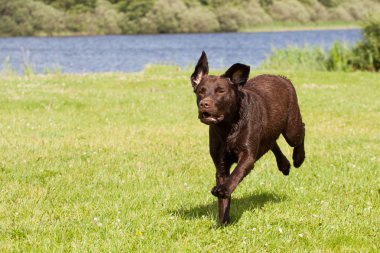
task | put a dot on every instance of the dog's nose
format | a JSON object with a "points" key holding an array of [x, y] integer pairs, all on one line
{"points": [[205, 103]]}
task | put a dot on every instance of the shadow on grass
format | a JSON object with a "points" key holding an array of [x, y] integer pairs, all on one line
{"points": [[238, 207]]}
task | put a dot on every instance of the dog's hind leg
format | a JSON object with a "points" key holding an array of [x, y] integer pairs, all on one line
{"points": [[282, 162], [294, 135], [299, 154], [294, 131]]}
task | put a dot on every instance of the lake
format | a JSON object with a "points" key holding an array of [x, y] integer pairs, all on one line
{"points": [[127, 53]]}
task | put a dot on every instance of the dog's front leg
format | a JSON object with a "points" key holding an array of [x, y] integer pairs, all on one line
{"points": [[223, 164], [223, 203], [244, 166]]}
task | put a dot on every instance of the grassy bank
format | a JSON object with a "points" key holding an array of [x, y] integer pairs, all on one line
{"points": [[119, 162], [296, 26]]}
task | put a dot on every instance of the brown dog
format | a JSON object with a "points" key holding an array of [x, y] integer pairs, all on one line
{"points": [[246, 118]]}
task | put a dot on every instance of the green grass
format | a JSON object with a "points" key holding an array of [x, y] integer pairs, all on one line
{"points": [[294, 58], [120, 163]]}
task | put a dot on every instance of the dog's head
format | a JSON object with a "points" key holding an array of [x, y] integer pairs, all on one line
{"points": [[217, 95]]}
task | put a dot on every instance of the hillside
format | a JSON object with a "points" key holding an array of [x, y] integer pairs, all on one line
{"points": [[64, 17]]}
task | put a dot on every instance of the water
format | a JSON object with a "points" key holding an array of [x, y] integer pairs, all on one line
{"points": [[128, 53]]}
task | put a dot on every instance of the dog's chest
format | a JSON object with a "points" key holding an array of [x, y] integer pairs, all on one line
{"points": [[233, 147]]}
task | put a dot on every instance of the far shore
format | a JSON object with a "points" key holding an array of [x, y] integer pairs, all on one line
{"points": [[304, 28], [273, 27], [285, 27]]}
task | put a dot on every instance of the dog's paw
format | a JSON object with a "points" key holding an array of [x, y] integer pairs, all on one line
{"points": [[298, 160], [298, 156], [220, 191], [285, 167]]}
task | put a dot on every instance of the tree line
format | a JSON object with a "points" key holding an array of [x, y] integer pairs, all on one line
{"points": [[64, 17]]}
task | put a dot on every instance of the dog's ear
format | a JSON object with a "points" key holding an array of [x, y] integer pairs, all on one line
{"points": [[238, 73], [201, 70]]}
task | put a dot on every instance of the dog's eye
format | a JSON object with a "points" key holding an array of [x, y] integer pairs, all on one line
{"points": [[220, 90], [202, 91]]}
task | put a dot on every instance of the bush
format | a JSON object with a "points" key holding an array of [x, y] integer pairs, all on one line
{"points": [[46, 19], [198, 19], [107, 18], [172, 16], [27, 17], [102, 19], [359, 10], [166, 14], [71, 4], [81, 22], [353, 10], [265, 3], [366, 54], [8, 26], [289, 10], [255, 14], [310, 59], [317, 11], [340, 13], [230, 18], [339, 57], [330, 3], [135, 8]]}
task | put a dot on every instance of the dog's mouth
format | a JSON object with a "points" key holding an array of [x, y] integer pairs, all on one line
{"points": [[208, 119]]}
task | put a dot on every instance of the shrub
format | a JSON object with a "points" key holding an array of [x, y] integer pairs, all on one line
{"points": [[165, 14], [366, 54], [255, 14], [265, 3], [81, 22], [8, 26], [71, 4], [107, 18], [45, 18], [330, 3], [28, 17], [339, 57], [354, 10], [317, 11], [198, 19], [135, 9], [360, 9], [102, 19], [340, 13], [173, 16], [289, 10], [230, 18], [145, 25]]}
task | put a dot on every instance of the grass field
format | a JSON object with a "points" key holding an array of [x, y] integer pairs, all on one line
{"points": [[120, 163]]}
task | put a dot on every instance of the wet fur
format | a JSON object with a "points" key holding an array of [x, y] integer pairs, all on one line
{"points": [[255, 113]]}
